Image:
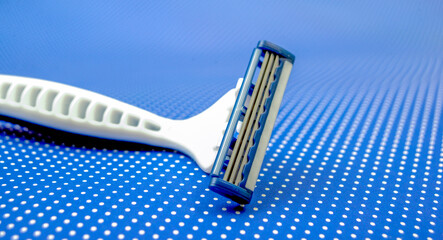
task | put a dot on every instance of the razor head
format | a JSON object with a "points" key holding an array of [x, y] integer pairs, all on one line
{"points": [[243, 147]]}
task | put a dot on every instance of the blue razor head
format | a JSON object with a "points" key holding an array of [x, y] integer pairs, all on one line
{"points": [[243, 147]]}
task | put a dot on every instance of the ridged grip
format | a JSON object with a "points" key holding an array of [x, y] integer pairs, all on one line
{"points": [[79, 111]]}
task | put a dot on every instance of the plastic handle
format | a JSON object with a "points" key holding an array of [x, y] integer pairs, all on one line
{"points": [[80, 111]]}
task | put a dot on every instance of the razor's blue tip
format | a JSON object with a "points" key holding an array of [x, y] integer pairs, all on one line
{"points": [[229, 190], [266, 45]]}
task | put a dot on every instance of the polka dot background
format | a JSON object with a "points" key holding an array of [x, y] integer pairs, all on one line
{"points": [[356, 151]]}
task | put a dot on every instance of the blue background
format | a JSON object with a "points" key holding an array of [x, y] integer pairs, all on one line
{"points": [[356, 150]]}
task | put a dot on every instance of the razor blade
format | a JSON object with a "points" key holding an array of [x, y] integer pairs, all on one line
{"points": [[243, 147]]}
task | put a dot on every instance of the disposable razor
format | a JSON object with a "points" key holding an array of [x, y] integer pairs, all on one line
{"points": [[80, 111], [244, 144]]}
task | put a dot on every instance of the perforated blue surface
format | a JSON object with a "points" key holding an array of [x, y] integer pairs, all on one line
{"points": [[357, 150]]}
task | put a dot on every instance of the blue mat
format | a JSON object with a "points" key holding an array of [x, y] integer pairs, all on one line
{"points": [[356, 152]]}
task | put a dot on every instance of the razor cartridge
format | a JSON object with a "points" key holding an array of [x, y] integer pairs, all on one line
{"points": [[243, 147]]}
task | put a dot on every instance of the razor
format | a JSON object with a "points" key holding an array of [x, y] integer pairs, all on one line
{"points": [[251, 106]]}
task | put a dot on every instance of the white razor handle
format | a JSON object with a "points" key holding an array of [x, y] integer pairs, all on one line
{"points": [[84, 112]]}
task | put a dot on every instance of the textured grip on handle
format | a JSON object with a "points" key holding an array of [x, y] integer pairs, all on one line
{"points": [[79, 111]]}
